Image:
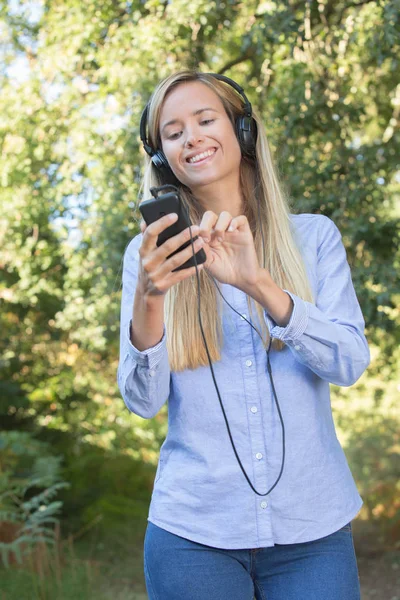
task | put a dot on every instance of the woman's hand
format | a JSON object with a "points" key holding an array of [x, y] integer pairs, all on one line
{"points": [[156, 272], [231, 255]]}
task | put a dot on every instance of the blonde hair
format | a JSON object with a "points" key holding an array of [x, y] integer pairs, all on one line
{"points": [[267, 210]]}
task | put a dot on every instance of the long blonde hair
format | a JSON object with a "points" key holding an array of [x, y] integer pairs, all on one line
{"points": [[267, 210]]}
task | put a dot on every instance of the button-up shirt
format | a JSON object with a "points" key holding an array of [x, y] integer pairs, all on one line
{"points": [[200, 492]]}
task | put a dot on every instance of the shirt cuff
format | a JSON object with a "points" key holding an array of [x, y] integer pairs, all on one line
{"points": [[150, 357], [297, 323]]}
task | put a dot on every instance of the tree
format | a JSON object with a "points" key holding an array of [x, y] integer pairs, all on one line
{"points": [[324, 76]]}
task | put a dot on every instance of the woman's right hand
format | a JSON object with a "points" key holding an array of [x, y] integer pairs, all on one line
{"points": [[156, 274]]}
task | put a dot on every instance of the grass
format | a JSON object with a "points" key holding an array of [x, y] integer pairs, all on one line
{"points": [[99, 566]]}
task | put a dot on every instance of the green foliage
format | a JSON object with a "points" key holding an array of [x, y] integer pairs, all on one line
{"points": [[106, 488], [368, 424], [29, 483], [323, 75]]}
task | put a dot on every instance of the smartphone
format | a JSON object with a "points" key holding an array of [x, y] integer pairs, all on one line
{"points": [[162, 205]]}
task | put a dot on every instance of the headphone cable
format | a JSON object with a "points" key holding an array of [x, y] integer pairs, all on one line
{"points": [[154, 192], [269, 368]]}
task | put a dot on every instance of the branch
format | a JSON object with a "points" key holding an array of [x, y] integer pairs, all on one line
{"points": [[250, 53], [235, 61], [353, 5]]}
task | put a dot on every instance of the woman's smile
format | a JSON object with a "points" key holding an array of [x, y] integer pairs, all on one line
{"points": [[201, 157]]}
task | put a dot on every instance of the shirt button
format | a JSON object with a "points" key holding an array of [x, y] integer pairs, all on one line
{"points": [[152, 373], [297, 347], [248, 363], [264, 504], [254, 409], [259, 455]]}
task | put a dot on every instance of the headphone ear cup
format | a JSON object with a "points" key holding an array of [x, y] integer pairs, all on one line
{"points": [[159, 160], [161, 164], [246, 131]]}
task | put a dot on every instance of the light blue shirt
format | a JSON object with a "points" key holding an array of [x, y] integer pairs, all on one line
{"points": [[200, 492]]}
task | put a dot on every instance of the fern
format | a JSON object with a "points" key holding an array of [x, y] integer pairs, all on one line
{"points": [[28, 501], [43, 497]]}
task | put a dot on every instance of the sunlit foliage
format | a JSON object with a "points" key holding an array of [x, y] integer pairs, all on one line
{"points": [[325, 76]]}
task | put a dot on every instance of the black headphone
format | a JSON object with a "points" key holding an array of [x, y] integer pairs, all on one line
{"points": [[245, 125]]}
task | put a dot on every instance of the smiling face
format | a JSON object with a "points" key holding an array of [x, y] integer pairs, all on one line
{"points": [[198, 138]]}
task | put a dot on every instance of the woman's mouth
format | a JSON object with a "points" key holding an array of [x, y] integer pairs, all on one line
{"points": [[201, 157]]}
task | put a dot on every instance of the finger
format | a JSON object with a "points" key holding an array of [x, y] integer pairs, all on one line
{"points": [[222, 225], [155, 258], [239, 223], [175, 242], [179, 258], [184, 274], [153, 231], [207, 223], [143, 226], [163, 284]]}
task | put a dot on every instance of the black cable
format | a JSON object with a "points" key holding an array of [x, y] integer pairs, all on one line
{"points": [[269, 367], [213, 375], [155, 192]]}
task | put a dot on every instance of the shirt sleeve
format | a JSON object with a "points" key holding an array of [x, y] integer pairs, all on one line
{"points": [[328, 336], [143, 376]]}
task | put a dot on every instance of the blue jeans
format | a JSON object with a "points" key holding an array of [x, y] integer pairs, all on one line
{"points": [[178, 569]]}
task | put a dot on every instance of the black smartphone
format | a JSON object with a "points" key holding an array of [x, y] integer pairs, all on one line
{"points": [[164, 204]]}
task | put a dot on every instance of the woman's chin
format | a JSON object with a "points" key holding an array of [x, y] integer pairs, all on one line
{"points": [[200, 180]]}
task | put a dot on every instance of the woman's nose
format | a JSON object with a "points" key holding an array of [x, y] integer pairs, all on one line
{"points": [[193, 137]]}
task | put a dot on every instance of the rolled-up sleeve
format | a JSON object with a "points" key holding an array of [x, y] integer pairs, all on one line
{"points": [[143, 376], [328, 336]]}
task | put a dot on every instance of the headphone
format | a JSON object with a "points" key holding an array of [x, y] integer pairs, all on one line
{"points": [[245, 126]]}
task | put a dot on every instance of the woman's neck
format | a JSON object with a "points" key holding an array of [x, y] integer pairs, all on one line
{"points": [[219, 197]]}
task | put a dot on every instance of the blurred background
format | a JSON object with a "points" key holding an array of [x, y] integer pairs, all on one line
{"points": [[76, 468]]}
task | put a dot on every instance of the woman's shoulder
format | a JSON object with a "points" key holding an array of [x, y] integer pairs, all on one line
{"points": [[314, 233], [309, 218], [311, 225]]}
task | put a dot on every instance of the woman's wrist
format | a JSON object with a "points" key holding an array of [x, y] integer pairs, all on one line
{"points": [[150, 299], [147, 320], [277, 303]]}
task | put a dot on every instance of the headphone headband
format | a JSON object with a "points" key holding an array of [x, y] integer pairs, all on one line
{"points": [[248, 111]]}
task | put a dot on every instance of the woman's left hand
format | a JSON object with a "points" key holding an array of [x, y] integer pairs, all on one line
{"points": [[230, 250]]}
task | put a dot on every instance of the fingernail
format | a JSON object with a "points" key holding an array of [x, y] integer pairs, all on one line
{"points": [[230, 228], [220, 239]]}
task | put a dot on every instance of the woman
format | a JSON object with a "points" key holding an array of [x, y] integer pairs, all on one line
{"points": [[285, 533]]}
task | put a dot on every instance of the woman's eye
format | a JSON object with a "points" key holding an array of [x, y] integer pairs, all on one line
{"points": [[206, 121], [174, 136]]}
